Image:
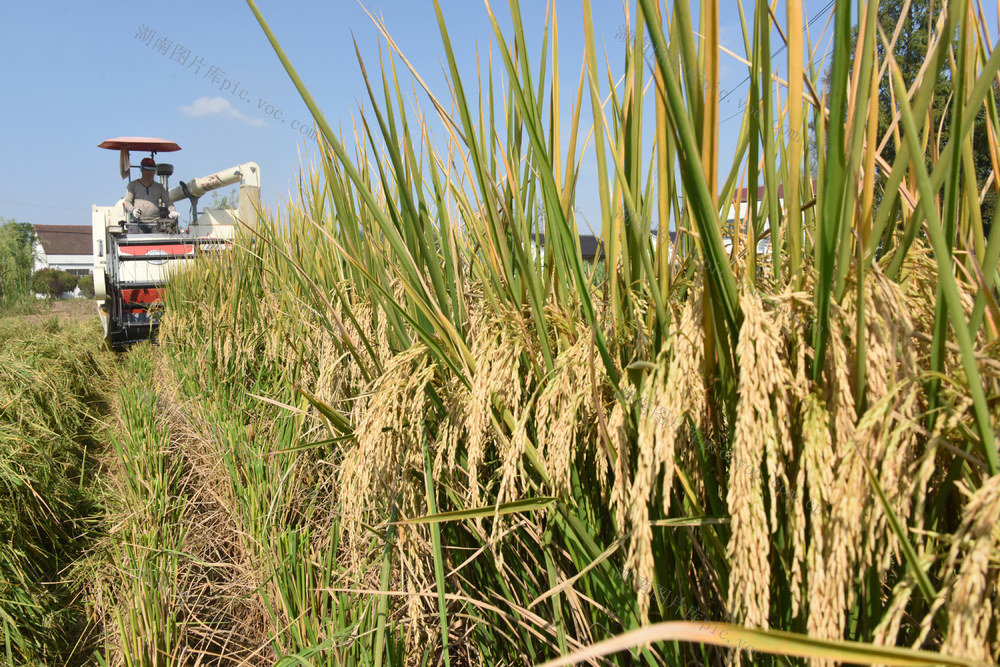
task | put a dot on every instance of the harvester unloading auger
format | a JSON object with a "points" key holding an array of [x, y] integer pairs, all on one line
{"points": [[133, 257]]}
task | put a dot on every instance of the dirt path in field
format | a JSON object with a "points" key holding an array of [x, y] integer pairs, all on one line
{"points": [[73, 311]]}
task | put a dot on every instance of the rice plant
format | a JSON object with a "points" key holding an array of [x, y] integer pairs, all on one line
{"points": [[17, 259], [471, 452], [52, 383]]}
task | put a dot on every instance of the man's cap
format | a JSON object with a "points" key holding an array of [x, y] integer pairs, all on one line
{"points": [[148, 164]]}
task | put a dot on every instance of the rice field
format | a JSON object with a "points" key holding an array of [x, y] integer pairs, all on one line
{"points": [[389, 429], [53, 384]]}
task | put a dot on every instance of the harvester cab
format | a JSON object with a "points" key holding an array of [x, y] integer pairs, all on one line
{"points": [[134, 254]]}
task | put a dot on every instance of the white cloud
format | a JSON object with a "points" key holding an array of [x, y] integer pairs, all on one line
{"points": [[219, 106]]}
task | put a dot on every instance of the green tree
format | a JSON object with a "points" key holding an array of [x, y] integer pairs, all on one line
{"points": [[86, 286], [983, 164], [224, 199], [17, 259], [53, 282], [910, 52]]}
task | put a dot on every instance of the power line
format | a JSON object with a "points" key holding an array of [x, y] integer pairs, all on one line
{"points": [[780, 49], [24, 203], [740, 113]]}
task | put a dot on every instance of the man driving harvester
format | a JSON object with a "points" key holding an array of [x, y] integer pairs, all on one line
{"points": [[143, 199]]}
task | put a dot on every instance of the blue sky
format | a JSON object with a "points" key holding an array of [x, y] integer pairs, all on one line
{"points": [[77, 73]]}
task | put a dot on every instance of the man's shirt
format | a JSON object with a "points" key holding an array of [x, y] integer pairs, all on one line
{"points": [[147, 198]]}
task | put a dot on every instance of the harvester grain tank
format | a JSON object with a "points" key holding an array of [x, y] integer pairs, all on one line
{"points": [[134, 257]]}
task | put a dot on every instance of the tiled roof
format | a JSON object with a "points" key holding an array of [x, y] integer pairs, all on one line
{"points": [[591, 246], [65, 239], [742, 194]]}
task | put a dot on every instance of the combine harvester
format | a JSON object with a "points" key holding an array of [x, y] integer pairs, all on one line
{"points": [[133, 259]]}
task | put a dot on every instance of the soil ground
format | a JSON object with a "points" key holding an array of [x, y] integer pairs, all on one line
{"points": [[71, 310]]}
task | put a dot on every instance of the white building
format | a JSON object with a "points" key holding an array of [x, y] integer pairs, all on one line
{"points": [[66, 247], [739, 212]]}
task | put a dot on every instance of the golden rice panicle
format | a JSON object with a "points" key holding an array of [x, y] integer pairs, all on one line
{"points": [[946, 425], [885, 437], [618, 437], [388, 460], [846, 496], [892, 451], [926, 469], [793, 308], [565, 408], [336, 366], [373, 323], [973, 593], [674, 390], [820, 478], [787, 388], [451, 433], [512, 455], [839, 395], [498, 353], [387, 435], [887, 631], [755, 434], [602, 455], [334, 370], [679, 394], [920, 289], [877, 441], [890, 356], [512, 474], [414, 579]]}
